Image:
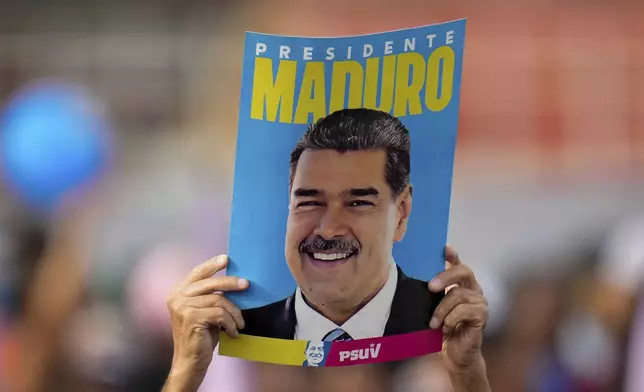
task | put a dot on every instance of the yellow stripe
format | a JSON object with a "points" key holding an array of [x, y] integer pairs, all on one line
{"points": [[254, 348]]}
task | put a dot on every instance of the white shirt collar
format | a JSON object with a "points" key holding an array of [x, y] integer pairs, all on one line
{"points": [[368, 322]]}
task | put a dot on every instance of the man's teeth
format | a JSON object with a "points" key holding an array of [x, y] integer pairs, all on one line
{"points": [[330, 256]]}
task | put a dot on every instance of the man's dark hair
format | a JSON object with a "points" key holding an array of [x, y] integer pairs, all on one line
{"points": [[361, 130]]}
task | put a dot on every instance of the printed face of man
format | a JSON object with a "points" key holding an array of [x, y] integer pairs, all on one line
{"points": [[341, 226], [315, 353]]}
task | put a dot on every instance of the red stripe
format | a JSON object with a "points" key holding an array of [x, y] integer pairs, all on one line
{"points": [[385, 349]]}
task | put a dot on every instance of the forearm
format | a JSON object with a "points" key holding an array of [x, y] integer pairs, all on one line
{"points": [[472, 379], [35, 363], [52, 299]]}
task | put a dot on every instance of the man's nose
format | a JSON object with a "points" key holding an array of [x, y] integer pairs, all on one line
{"points": [[332, 224]]}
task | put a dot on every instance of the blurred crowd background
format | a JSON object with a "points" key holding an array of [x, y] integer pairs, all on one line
{"points": [[548, 197]]}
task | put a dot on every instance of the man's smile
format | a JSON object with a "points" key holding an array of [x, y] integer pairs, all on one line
{"points": [[328, 259]]}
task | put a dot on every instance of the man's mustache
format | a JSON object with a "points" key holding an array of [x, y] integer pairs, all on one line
{"points": [[339, 245]]}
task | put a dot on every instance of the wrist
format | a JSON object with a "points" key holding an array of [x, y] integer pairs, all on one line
{"points": [[472, 378], [183, 378]]}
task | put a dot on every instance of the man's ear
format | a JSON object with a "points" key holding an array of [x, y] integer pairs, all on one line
{"points": [[404, 211]]}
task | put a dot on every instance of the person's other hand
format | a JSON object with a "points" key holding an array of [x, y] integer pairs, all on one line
{"points": [[462, 314], [199, 311]]}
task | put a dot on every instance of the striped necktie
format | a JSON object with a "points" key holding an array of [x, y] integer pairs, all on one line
{"points": [[337, 335]]}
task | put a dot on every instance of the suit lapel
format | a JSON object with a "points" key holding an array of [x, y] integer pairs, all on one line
{"points": [[284, 327], [411, 307], [397, 316]]}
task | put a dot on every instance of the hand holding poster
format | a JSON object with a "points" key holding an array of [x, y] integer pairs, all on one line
{"points": [[334, 134]]}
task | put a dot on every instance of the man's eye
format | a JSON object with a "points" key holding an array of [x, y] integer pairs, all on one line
{"points": [[308, 204], [358, 203]]}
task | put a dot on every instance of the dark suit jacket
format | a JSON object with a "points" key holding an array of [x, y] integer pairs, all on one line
{"points": [[411, 310]]}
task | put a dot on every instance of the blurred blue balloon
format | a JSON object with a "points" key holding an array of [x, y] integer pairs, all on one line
{"points": [[53, 140]]}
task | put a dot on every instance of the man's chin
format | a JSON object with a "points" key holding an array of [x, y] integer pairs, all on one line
{"points": [[328, 295]]}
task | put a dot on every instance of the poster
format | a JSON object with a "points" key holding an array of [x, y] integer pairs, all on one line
{"points": [[341, 195]]}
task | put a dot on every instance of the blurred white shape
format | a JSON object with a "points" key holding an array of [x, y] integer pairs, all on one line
{"points": [[622, 260], [587, 348], [497, 297], [101, 345]]}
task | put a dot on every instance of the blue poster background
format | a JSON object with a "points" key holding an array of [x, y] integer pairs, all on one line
{"points": [[261, 194]]}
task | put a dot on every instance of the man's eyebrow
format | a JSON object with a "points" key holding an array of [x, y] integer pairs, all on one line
{"points": [[306, 192], [362, 192]]}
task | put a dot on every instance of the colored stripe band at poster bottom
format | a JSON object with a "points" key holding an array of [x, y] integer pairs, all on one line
{"points": [[324, 354]]}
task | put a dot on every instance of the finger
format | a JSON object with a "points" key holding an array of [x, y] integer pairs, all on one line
{"points": [[212, 285], [220, 318], [454, 298], [459, 274], [206, 269], [451, 259], [214, 300], [472, 315], [451, 256]]}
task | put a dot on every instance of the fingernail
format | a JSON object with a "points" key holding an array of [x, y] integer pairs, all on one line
{"points": [[242, 283], [435, 284], [433, 324]]}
